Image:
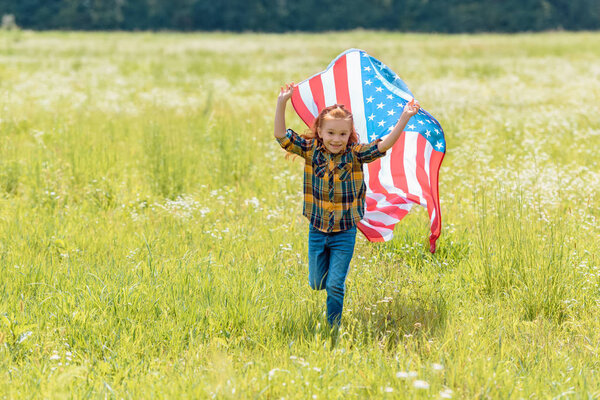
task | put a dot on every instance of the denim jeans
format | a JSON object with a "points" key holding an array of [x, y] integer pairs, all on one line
{"points": [[329, 256]]}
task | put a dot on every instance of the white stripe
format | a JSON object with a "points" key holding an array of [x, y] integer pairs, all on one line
{"points": [[378, 216], [410, 166], [307, 98], [329, 87], [428, 150], [356, 96], [358, 109], [432, 215]]}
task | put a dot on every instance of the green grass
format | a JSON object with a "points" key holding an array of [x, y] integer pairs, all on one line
{"points": [[152, 243]]}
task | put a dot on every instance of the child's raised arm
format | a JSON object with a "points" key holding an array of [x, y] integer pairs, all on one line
{"points": [[284, 96], [410, 109]]}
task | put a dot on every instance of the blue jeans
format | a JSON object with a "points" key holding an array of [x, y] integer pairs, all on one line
{"points": [[329, 256]]}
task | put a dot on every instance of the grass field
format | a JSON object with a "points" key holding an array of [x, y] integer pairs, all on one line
{"points": [[152, 243]]}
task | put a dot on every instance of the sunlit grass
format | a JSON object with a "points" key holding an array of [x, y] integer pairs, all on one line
{"points": [[152, 243]]}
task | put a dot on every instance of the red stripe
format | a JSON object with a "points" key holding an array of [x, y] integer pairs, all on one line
{"points": [[371, 234], [374, 168], [398, 170], [340, 75], [303, 111], [434, 169], [436, 159], [376, 186], [316, 87], [397, 164], [379, 224], [425, 184], [371, 203]]}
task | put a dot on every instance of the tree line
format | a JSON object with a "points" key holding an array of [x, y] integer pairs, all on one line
{"points": [[444, 16]]}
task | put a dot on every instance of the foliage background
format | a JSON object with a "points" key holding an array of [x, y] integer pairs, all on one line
{"points": [[448, 16]]}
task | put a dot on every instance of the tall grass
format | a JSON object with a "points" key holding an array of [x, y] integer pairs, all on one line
{"points": [[152, 243]]}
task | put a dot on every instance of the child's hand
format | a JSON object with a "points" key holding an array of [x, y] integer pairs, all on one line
{"points": [[285, 94], [411, 108]]}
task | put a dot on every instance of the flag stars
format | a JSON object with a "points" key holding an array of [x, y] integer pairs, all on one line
{"points": [[385, 104]]}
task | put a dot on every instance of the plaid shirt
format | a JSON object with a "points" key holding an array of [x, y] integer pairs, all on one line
{"points": [[334, 188]]}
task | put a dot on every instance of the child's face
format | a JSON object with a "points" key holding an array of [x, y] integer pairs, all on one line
{"points": [[335, 133]]}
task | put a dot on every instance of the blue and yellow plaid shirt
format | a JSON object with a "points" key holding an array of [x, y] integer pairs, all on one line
{"points": [[334, 187]]}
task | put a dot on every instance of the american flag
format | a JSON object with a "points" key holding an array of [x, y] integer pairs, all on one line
{"points": [[408, 174]]}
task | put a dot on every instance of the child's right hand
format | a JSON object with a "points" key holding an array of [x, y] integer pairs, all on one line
{"points": [[285, 94], [411, 108]]}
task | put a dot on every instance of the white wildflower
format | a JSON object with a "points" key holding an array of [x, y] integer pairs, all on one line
{"points": [[253, 201], [24, 336], [419, 384], [272, 372]]}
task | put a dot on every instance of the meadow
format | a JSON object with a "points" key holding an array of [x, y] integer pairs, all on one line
{"points": [[152, 243]]}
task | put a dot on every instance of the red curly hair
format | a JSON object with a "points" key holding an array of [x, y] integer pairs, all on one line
{"points": [[336, 111]]}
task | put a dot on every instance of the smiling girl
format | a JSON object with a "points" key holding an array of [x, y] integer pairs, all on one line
{"points": [[334, 190]]}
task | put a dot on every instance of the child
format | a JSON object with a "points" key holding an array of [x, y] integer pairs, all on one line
{"points": [[334, 190]]}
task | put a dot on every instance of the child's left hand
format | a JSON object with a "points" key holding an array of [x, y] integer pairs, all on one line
{"points": [[411, 108]]}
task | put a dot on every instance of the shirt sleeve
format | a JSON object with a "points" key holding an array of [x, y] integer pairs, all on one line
{"points": [[295, 143], [367, 152]]}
